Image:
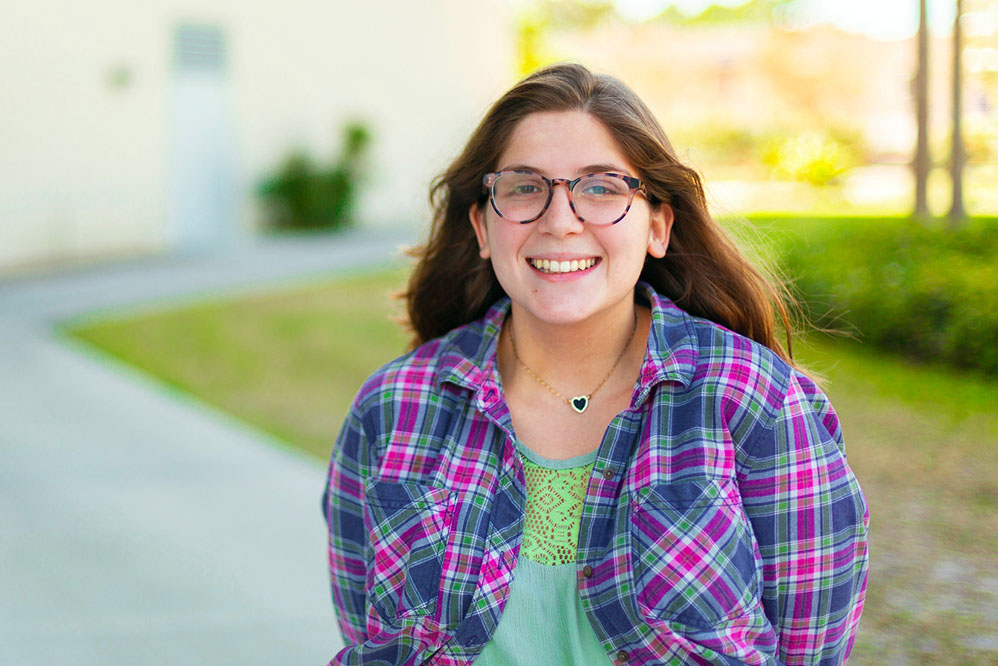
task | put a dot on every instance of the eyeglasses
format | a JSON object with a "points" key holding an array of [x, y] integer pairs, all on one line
{"points": [[596, 198]]}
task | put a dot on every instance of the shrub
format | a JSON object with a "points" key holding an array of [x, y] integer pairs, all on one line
{"points": [[931, 293], [812, 158], [302, 195]]}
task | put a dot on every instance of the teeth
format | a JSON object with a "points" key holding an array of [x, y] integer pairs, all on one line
{"points": [[549, 266]]}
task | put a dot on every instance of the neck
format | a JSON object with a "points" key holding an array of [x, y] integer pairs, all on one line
{"points": [[573, 357]]}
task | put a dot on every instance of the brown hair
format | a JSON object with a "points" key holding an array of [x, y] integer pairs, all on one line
{"points": [[703, 271]]}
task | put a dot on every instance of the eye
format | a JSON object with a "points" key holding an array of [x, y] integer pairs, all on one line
{"points": [[601, 187], [525, 188], [597, 190], [520, 185]]}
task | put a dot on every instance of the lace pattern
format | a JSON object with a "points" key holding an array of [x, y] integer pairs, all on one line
{"points": [[553, 512]]}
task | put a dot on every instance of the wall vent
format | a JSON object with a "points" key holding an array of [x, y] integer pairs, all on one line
{"points": [[199, 48]]}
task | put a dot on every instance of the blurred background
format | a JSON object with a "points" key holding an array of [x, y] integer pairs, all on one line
{"points": [[136, 129], [206, 199]]}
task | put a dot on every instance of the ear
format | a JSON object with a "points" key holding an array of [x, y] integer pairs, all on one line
{"points": [[658, 233], [477, 216]]}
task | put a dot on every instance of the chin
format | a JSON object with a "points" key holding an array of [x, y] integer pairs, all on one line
{"points": [[564, 313]]}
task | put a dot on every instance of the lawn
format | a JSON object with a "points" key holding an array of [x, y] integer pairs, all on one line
{"points": [[922, 440], [287, 362]]}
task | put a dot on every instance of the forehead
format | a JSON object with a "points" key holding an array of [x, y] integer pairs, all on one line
{"points": [[558, 143]]}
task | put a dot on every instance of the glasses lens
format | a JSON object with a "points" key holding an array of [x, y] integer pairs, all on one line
{"points": [[519, 196], [601, 198]]}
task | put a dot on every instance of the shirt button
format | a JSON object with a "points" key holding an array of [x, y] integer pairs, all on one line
{"points": [[587, 571], [622, 656], [608, 473]]}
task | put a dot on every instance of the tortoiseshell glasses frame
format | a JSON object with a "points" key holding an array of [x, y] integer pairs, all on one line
{"points": [[607, 206]]}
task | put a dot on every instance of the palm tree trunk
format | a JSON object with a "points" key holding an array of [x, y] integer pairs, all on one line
{"points": [[957, 213], [922, 159]]}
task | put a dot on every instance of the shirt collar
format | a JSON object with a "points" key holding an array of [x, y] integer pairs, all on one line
{"points": [[468, 353], [672, 345]]}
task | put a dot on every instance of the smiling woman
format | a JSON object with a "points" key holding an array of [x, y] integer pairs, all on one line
{"points": [[559, 233], [597, 451]]}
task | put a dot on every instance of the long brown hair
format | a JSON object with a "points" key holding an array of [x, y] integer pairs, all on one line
{"points": [[703, 271]]}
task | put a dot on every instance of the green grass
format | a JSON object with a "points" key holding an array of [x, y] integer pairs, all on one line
{"points": [[921, 439], [289, 363]]}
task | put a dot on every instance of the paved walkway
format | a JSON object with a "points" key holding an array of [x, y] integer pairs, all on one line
{"points": [[141, 527]]}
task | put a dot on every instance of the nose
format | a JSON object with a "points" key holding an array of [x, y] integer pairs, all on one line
{"points": [[559, 218]]}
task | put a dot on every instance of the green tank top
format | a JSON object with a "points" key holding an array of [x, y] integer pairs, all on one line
{"points": [[544, 622]]}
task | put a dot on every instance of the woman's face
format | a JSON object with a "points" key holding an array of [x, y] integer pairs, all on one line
{"points": [[568, 144]]}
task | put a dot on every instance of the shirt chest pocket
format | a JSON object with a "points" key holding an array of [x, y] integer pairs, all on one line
{"points": [[692, 554], [408, 526]]}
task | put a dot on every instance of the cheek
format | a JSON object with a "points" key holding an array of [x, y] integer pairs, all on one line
{"points": [[630, 250], [505, 242]]}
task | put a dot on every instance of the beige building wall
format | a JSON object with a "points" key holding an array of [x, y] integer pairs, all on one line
{"points": [[85, 108]]}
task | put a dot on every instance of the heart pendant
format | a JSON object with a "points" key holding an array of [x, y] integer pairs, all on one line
{"points": [[580, 402]]}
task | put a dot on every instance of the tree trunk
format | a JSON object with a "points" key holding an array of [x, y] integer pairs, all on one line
{"points": [[922, 160], [957, 213]]}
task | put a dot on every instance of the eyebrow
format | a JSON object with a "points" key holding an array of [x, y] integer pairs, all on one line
{"points": [[589, 168]]}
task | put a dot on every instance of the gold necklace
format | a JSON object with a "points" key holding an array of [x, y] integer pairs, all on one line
{"points": [[580, 402]]}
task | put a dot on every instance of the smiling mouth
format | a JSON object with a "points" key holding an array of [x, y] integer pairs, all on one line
{"points": [[552, 266]]}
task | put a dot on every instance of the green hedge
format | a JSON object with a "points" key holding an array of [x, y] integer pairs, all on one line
{"points": [[303, 195], [929, 292]]}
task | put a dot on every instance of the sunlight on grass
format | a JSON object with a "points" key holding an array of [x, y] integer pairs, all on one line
{"points": [[288, 362], [922, 441]]}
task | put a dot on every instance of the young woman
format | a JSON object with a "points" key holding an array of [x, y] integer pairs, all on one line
{"points": [[598, 451]]}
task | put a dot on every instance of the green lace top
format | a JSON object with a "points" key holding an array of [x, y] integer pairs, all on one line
{"points": [[544, 622], [556, 490]]}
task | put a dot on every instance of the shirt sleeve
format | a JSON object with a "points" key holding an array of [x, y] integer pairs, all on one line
{"points": [[810, 519], [348, 542]]}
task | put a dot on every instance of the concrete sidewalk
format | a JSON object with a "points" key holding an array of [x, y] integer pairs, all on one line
{"points": [[138, 526]]}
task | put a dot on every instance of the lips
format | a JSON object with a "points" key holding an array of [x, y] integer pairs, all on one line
{"points": [[567, 266]]}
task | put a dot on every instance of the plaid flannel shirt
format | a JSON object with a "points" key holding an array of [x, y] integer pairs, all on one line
{"points": [[722, 523]]}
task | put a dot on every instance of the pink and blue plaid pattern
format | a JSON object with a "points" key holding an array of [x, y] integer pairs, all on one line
{"points": [[722, 523]]}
